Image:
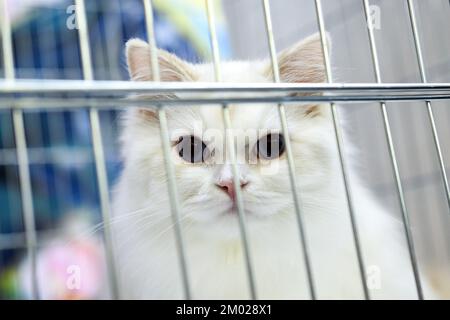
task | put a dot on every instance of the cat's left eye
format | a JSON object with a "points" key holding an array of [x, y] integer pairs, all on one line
{"points": [[270, 146], [192, 149]]}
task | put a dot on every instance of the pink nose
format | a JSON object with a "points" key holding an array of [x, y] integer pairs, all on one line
{"points": [[228, 187]]}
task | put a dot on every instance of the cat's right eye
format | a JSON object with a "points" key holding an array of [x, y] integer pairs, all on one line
{"points": [[270, 146], [192, 149]]}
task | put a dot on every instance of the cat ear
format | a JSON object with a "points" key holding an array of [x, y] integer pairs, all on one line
{"points": [[171, 68], [303, 61]]}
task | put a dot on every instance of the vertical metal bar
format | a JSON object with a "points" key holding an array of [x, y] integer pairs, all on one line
{"points": [[338, 135], [55, 120], [230, 143], [22, 155], [290, 157], [111, 13], [172, 186], [100, 167], [387, 129], [423, 76]]}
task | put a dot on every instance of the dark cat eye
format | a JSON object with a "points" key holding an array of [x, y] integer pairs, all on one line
{"points": [[192, 149], [270, 146]]}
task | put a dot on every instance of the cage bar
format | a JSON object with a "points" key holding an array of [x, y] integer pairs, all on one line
{"points": [[100, 167], [230, 143], [103, 94], [28, 86], [108, 97], [423, 76], [290, 157], [392, 154], [339, 143], [172, 186], [22, 155], [111, 102]]}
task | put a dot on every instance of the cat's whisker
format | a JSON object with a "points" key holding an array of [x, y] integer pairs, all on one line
{"points": [[144, 224], [141, 214], [150, 223], [138, 246]]}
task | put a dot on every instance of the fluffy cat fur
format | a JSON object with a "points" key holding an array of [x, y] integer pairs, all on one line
{"points": [[144, 238]]}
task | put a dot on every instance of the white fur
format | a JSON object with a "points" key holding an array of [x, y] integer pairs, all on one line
{"points": [[144, 237]]}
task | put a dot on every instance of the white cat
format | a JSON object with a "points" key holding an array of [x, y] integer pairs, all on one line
{"points": [[143, 231]]}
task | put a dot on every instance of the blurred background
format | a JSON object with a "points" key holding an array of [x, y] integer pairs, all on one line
{"points": [[62, 167]]}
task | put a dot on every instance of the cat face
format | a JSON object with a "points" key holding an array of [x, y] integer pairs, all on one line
{"points": [[199, 150]]}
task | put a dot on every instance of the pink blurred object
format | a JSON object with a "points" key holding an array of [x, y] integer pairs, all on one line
{"points": [[67, 270]]}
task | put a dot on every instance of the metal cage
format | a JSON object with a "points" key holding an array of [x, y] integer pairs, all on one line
{"points": [[19, 96]]}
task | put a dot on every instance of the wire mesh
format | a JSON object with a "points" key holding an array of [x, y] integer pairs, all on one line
{"points": [[20, 95]]}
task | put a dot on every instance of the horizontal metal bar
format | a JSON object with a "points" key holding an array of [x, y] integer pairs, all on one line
{"points": [[18, 240], [49, 155], [123, 87], [108, 103], [13, 241]]}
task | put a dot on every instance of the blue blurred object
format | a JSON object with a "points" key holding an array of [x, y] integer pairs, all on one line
{"points": [[60, 151]]}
